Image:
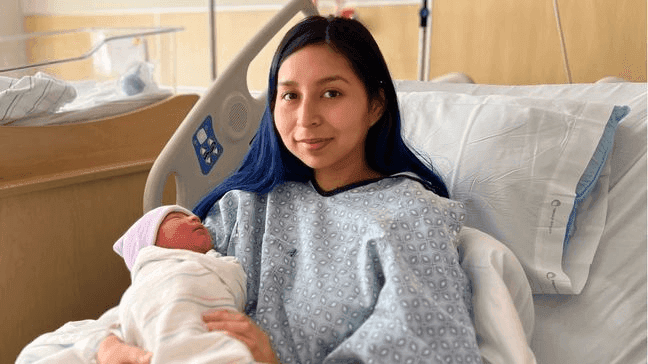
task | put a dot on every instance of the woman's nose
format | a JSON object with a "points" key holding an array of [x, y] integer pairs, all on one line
{"points": [[308, 114]]}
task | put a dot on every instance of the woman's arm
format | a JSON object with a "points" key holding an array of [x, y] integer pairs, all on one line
{"points": [[114, 351], [241, 327], [420, 315]]}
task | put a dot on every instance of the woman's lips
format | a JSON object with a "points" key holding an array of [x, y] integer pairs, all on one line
{"points": [[315, 143]]}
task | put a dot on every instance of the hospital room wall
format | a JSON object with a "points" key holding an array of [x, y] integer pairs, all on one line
{"points": [[10, 17], [493, 41], [11, 22]]}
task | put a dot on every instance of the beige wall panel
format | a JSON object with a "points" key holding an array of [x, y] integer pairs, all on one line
{"points": [[192, 47], [40, 50], [493, 41], [396, 31], [605, 38], [82, 69], [158, 47], [398, 43], [11, 18], [498, 42], [11, 23], [235, 29], [40, 23]]}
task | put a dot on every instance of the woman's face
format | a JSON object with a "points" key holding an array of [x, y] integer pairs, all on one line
{"points": [[323, 114], [180, 231]]}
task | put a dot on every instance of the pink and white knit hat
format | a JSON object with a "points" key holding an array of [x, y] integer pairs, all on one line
{"points": [[143, 233]]}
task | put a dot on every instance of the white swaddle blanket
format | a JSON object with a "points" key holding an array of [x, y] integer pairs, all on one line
{"points": [[162, 309]]}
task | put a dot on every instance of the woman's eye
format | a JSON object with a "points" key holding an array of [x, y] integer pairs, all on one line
{"points": [[287, 96], [331, 94]]}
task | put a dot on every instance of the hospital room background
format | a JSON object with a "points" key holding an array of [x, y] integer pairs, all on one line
{"points": [[65, 198], [493, 41]]}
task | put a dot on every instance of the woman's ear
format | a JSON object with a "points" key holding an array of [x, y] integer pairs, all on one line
{"points": [[377, 107]]}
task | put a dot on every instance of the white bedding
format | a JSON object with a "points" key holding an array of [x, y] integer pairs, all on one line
{"points": [[606, 322], [99, 109], [502, 300], [44, 100], [505, 158], [33, 95]]}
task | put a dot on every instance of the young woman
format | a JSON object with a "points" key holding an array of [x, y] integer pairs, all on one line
{"points": [[346, 237]]}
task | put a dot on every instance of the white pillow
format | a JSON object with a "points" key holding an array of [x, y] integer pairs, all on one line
{"points": [[516, 163]]}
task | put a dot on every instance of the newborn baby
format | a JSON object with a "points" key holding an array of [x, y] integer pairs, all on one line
{"points": [[176, 277]]}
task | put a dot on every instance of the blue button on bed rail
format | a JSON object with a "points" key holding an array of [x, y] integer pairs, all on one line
{"points": [[208, 149]]}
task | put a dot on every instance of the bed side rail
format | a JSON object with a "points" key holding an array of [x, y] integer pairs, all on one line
{"points": [[214, 137]]}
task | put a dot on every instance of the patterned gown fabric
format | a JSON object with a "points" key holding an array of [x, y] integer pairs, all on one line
{"points": [[367, 274]]}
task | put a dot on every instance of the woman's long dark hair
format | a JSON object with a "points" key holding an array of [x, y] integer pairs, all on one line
{"points": [[268, 163]]}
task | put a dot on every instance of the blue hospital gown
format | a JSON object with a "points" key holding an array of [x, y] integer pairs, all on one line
{"points": [[369, 274]]}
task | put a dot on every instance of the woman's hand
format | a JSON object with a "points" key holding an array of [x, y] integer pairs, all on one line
{"points": [[241, 327], [114, 351]]}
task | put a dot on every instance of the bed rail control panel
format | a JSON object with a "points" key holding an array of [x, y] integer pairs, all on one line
{"points": [[208, 149]]}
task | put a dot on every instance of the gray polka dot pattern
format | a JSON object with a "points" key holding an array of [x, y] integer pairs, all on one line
{"points": [[370, 274]]}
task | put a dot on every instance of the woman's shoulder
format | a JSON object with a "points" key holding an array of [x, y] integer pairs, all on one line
{"points": [[406, 183], [408, 186], [232, 201], [233, 196], [412, 180], [241, 198]]}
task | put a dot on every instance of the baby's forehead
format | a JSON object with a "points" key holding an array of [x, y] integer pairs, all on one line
{"points": [[166, 220], [173, 214], [177, 213]]}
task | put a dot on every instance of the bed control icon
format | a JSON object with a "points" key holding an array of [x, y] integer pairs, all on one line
{"points": [[207, 147]]}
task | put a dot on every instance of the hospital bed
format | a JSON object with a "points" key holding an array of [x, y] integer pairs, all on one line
{"points": [[555, 173], [73, 169], [544, 169]]}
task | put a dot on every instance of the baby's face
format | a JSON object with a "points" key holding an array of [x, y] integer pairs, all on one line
{"points": [[180, 231]]}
